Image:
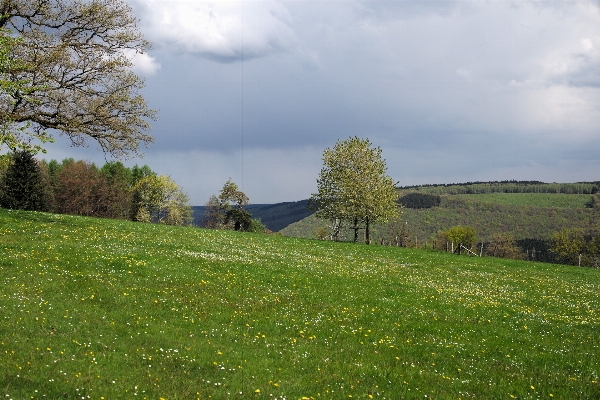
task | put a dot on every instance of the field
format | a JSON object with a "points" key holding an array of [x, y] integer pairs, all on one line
{"points": [[547, 200], [107, 309]]}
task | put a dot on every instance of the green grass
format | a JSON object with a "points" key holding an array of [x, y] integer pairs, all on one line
{"points": [[557, 200], [94, 308]]}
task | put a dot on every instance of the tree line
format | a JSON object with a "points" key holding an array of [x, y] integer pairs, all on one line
{"points": [[81, 188], [508, 187]]}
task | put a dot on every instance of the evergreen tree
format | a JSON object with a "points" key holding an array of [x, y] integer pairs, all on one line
{"points": [[23, 184]]}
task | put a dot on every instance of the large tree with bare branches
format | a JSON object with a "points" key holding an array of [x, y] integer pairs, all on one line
{"points": [[75, 62]]}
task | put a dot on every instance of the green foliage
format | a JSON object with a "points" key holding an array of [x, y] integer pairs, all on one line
{"points": [[162, 201], [137, 173], [508, 187], [105, 308], [240, 219], [546, 200], [257, 227], [227, 210], [568, 244], [504, 245], [353, 187], [321, 233], [594, 201], [420, 200], [461, 235], [213, 217], [22, 186], [400, 234], [116, 172]]}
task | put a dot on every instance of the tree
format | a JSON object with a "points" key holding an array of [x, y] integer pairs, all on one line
{"points": [[420, 200], [400, 234], [567, 245], [461, 235], [75, 73], [504, 245], [233, 201], [214, 217], [594, 201], [80, 189], [353, 186], [227, 210], [593, 252], [137, 173], [257, 227], [118, 197], [161, 200], [23, 184]]}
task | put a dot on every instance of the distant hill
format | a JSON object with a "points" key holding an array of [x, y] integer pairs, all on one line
{"points": [[273, 216], [528, 210]]}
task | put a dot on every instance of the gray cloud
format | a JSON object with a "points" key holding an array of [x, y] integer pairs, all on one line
{"points": [[450, 90]]}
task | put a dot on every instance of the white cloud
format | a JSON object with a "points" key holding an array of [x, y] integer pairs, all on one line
{"points": [[219, 30], [144, 64]]}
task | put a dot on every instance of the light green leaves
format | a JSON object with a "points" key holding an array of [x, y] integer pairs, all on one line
{"points": [[161, 199], [353, 186]]}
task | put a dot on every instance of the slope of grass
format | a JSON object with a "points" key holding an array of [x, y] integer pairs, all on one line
{"points": [[547, 200], [107, 309], [487, 217]]}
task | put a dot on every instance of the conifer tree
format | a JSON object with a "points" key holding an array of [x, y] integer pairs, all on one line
{"points": [[23, 184]]}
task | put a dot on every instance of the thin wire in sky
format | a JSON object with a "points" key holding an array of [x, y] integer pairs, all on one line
{"points": [[242, 156]]}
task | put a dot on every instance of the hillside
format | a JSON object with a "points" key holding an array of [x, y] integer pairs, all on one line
{"points": [[525, 215], [273, 216], [94, 308]]}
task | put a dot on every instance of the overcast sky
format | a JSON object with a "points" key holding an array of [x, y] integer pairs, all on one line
{"points": [[452, 91]]}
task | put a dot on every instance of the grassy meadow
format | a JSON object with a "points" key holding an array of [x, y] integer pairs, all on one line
{"points": [[548, 200], [106, 309]]}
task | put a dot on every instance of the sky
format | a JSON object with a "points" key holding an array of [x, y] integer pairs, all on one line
{"points": [[451, 91]]}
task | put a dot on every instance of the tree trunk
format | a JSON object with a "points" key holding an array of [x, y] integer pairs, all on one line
{"points": [[367, 233], [355, 230]]}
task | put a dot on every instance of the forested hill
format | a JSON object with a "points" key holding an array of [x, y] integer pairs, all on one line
{"points": [[505, 187], [273, 216], [278, 216], [524, 209]]}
